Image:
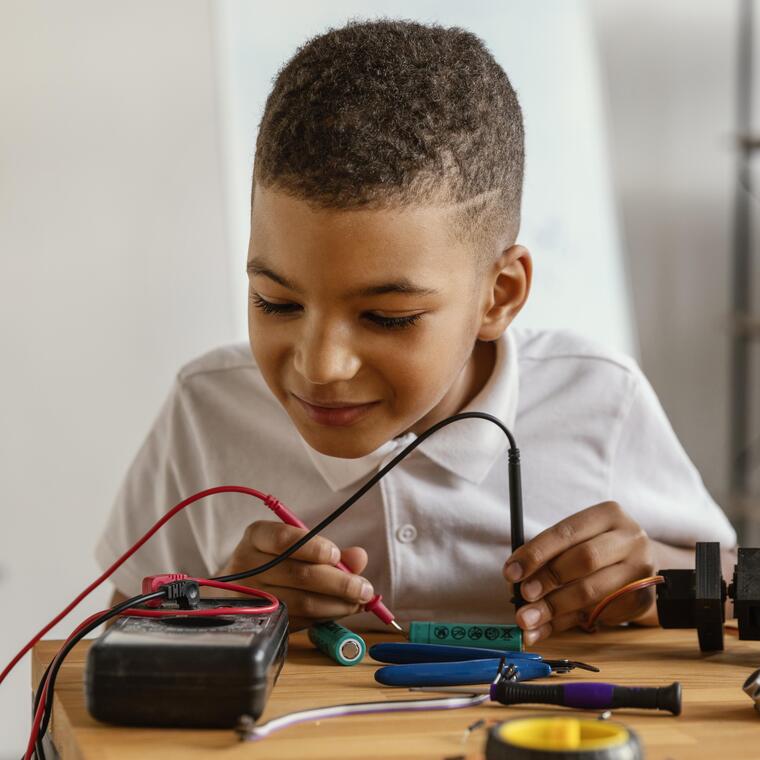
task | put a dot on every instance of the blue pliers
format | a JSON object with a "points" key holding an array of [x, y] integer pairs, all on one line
{"points": [[441, 665]]}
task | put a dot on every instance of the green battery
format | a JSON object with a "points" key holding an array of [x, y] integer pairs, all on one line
{"points": [[338, 643], [484, 635]]}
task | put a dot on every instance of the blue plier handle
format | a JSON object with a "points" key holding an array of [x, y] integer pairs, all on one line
{"points": [[441, 665], [456, 673]]}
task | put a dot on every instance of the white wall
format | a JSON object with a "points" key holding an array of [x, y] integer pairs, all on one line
{"points": [[670, 74], [113, 271]]}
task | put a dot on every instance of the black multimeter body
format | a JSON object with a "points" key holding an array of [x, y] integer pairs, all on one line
{"points": [[203, 672]]}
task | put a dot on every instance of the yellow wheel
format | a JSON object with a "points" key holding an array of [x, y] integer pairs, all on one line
{"points": [[562, 738]]}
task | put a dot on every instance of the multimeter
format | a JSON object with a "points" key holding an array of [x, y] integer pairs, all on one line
{"points": [[204, 671]]}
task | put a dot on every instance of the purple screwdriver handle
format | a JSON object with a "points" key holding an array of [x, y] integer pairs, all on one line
{"points": [[590, 696]]}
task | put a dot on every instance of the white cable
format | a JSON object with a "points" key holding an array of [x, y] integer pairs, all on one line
{"points": [[255, 733]]}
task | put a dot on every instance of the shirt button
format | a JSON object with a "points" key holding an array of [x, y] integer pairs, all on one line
{"points": [[406, 534]]}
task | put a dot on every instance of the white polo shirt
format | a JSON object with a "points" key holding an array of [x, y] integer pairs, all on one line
{"points": [[436, 528]]}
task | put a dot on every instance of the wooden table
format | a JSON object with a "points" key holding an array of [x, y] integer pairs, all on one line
{"points": [[718, 719]]}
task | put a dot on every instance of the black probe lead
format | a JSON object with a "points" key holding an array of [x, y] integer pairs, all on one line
{"points": [[515, 499], [55, 665]]}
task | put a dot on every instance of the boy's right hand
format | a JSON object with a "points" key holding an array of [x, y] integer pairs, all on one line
{"points": [[308, 581]]}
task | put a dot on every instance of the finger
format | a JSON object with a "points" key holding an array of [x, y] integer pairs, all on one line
{"points": [[581, 594], [355, 558], [274, 538], [580, 561], [533, 635], [552, 542], [561, 623], [313, 606], [321, 579]]}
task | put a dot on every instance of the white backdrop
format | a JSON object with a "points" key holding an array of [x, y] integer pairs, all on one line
{"points": [[113, 271], [125, 147], [671, 70]]}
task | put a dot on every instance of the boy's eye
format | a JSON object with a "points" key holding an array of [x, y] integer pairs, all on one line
{"points": [[273, 308], [389, 323], [394, 323]]}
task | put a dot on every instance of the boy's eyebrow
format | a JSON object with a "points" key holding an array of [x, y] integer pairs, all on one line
{"points": [[255, 266], [400, 285]]}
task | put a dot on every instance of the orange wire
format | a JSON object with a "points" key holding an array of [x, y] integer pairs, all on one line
{"points": [[652, 580]]}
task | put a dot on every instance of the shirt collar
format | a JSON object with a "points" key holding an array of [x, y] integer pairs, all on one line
{"points": [[468, 448]]}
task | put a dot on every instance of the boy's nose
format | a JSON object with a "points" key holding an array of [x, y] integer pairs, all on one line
{"points": [[326, 358]]}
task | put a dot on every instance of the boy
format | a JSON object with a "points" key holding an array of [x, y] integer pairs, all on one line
{"points": [[384, 277]]}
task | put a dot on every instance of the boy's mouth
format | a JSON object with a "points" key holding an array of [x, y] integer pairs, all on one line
{"points": [[335, 413]]}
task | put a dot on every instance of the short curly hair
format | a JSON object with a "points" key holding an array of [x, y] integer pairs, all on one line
{"points": [[388, 113]]}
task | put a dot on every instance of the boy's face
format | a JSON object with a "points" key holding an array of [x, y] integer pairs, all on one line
{"points": [[377, 310]]}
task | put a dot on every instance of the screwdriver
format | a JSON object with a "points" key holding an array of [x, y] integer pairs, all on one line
{"points": [[374, 605], [583, 696], [590, 696]]}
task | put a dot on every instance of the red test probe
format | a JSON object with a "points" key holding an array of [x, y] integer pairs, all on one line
{"points": [[374, 605]]}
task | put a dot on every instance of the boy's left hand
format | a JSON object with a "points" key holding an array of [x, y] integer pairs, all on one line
{"points": [[570, 567]]}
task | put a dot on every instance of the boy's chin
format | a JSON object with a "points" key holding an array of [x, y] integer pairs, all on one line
{"points": [[342, 443]]}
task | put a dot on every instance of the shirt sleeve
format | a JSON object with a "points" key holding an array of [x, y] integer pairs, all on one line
{"points": [[654, 480], [152, 486]]}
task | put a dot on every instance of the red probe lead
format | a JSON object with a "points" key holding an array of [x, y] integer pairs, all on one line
{"points": [[374, 605], [124, 557]]}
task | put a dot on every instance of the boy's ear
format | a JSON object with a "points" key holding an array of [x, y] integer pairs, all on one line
{"points": [[506, 288]]}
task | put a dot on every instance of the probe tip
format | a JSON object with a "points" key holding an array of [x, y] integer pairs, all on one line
{"points": [[399, 628]]}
